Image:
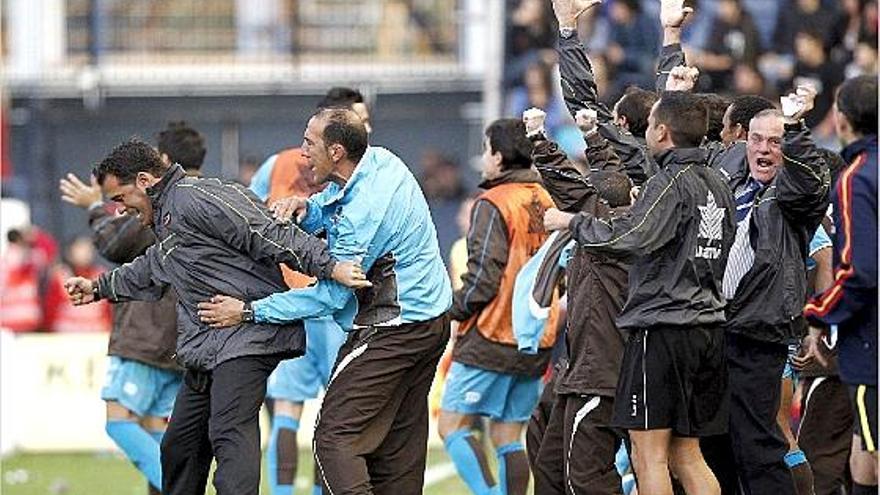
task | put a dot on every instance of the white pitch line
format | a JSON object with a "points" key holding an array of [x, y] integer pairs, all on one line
{"points": [[438, 473]]}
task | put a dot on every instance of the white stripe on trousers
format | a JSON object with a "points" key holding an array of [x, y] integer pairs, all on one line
{"points": [[813, 386], [578, 417], [356, 352]]}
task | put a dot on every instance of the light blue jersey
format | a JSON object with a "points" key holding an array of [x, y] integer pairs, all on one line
{"points": [[381, 218], [820, 241], [261, 182]]}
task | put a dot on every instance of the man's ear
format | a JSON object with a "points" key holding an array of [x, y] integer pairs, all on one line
{"points": [[741, 132], [336, 152], [498, 159], [663, 133], [622, 122], [165, 159], [144, 180]]}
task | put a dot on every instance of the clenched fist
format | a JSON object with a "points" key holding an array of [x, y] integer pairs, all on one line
{"points": [[80, 290]]}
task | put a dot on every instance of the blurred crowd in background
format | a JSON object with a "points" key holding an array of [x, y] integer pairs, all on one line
{"points": [[761, 47]]}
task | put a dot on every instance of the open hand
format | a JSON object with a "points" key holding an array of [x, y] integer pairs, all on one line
{"points": [[75, 192], [673, 13], [80, 290], [568, 11], [810, 351], [221, 311], [287, 208], [350, 274], [556, 220]]}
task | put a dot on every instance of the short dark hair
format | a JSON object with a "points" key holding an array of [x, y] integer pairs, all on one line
{"points": [[344, 127], [632, 5], [811, 32], [635, 105], [341, 97], [14, 236], [508, 137], [744, 108], [613, 186], [127, 160], [684, 116], [857, 100], [183, 145], [716, 105]]}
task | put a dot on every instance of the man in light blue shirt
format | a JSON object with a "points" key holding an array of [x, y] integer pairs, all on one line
{"points": [[372, 430]]}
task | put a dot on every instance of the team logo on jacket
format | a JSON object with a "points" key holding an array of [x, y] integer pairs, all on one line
{"points": [[166, 219], [711, 229]]}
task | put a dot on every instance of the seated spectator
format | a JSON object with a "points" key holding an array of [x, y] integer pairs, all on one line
{"points": [[634, 39], [748, 80], [531, 31], [61, 315], [734, 40], [20, 275], [537, 91], [813, 68], [843, 35], [24, 273], [440, 178], [802, 14]]}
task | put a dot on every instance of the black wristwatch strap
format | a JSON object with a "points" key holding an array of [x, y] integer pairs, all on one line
{"points": [[247, 314]]}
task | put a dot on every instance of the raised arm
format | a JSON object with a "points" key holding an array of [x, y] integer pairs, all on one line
{"points": [[803, 183], [576, 73], [672, 15]]}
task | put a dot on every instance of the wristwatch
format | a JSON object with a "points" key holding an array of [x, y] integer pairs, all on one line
{"points": [[566, 32], [247, 314]]}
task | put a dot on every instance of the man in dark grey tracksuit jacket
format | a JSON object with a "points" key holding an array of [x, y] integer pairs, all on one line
{"points": [[213, 237]]}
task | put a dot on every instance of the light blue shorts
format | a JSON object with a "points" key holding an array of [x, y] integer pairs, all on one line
{"points": [[788, 370], [301, 379], [142, 389], [500, 396]]}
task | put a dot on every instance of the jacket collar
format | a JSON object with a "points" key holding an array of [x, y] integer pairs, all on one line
{"points": [[335, 192], [681, 156], [856, 148], [520, 175], [160, 189]]}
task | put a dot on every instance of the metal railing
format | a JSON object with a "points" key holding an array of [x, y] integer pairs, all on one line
{"points": [[146, 46]]}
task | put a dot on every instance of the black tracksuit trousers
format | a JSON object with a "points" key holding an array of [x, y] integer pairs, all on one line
{"points": [[216, 414], [755, 442], [372, 433]]}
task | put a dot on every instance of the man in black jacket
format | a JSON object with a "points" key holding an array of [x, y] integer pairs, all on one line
{"points": [[142, 379], [578, 448], [781, 194], [624, 125], [213, 237], [671, 388]]}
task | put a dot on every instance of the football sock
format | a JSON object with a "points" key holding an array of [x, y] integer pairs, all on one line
{"points": [[470, 461], [513, 469], [281, 455], [139, 446]]}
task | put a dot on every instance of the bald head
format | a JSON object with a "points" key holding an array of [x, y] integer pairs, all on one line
{"points": [[344, 127], [335, 141]]}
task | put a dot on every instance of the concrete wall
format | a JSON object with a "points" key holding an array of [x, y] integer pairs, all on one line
{"points": [[50, 137]]}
